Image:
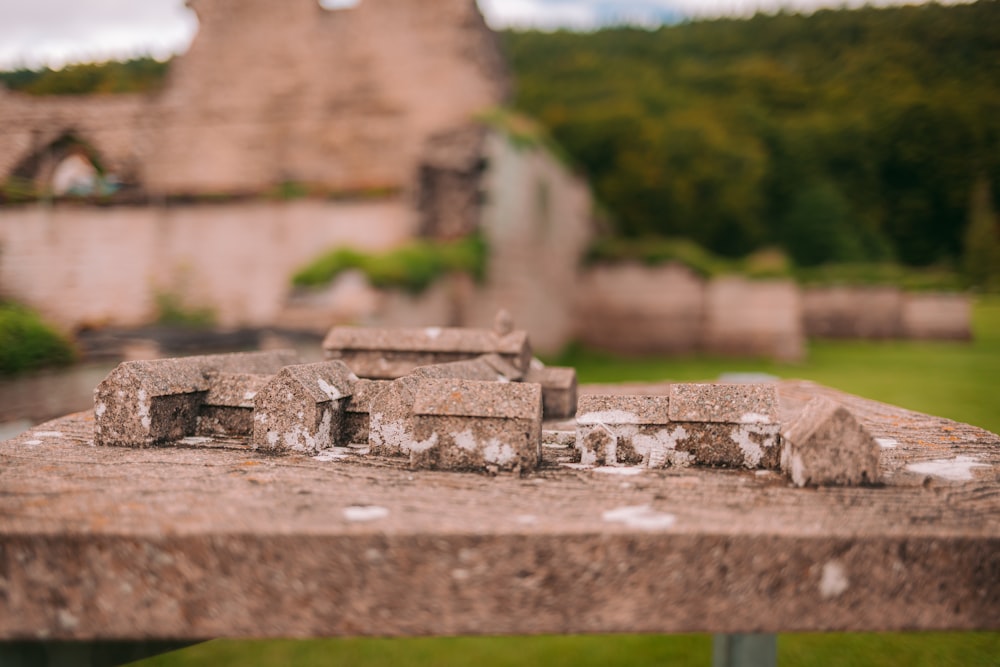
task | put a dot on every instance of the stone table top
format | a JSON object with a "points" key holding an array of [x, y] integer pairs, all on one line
{"points": [[207, 538]]}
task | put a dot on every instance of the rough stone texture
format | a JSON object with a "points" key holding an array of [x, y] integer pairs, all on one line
{"points": [[228, 405], [558, 390], [753, 445], [142, 403], [937, 316], [302, 408], [357, 408], [827, 445], [119, 543], [393, 353], [475, 425], [724, 403], [853, 312], [754, 317]]}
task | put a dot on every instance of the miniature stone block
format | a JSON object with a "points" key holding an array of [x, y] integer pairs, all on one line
{"points": [[627, 430], [827, 446], [302, 408], [475, 425], [357, 409], [228, 405], [392, 353], [391, 424], [143, 403], [558, 390], [728, 425]]}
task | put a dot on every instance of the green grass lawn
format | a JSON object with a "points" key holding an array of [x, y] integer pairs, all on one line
{"points": [[956, 380]]}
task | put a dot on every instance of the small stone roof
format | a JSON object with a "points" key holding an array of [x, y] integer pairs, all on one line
{"points": [[322, 381], [724, 403], [557, 377], [473, 398], [164, 377], [617, 409], [467, 369], [236, 390], [429, 339], [363, 391]]}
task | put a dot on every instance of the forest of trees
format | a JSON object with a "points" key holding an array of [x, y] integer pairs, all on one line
{"points": [[869, 135], [843, 136]]}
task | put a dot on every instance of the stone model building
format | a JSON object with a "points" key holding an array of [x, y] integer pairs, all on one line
{"points": [[477, 413]]}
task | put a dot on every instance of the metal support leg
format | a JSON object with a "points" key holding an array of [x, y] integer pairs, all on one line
{"points": [[745, 651], [84, 654]]}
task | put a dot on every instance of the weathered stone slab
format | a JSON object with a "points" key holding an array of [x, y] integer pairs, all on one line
{"points": [[142, 403], [393, 353], [228, 405], [109, 543], [627, 430], [476, 425], [827, 446], [558, 390], [724, 403], [302, 408]]}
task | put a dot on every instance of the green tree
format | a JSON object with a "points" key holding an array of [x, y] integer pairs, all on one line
{"points": [[981, 261]]}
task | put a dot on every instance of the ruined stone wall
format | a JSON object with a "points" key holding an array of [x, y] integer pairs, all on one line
{"points": [[115, 125], [284, 90], [637, 309], [105, 266], [538, 221]]}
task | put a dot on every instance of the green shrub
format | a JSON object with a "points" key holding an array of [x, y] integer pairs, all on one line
{"points": [[413, 267], [655, 251], [26, 342], [171, 311], [939, 278]]}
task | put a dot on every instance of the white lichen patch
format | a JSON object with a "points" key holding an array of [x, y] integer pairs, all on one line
{"points": [[833, 580], [642, 517], [48, 434], [886, 443], [660, 449], [605, 417], [526, 519], [143, 410], [99, 409], [956, 469], [432, 332], [249, 396], [32, 442], [195, 440], [334, 454], [755, 418], [329, 389], [619, 470], [365, 513], [498, 452], [753, 448], [577, 466]]}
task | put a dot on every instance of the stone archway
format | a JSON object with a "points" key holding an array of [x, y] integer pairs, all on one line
{"points": [[67, 165]]}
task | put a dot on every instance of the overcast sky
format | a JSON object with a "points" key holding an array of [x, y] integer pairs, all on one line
{"points": [[35, 32]]}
